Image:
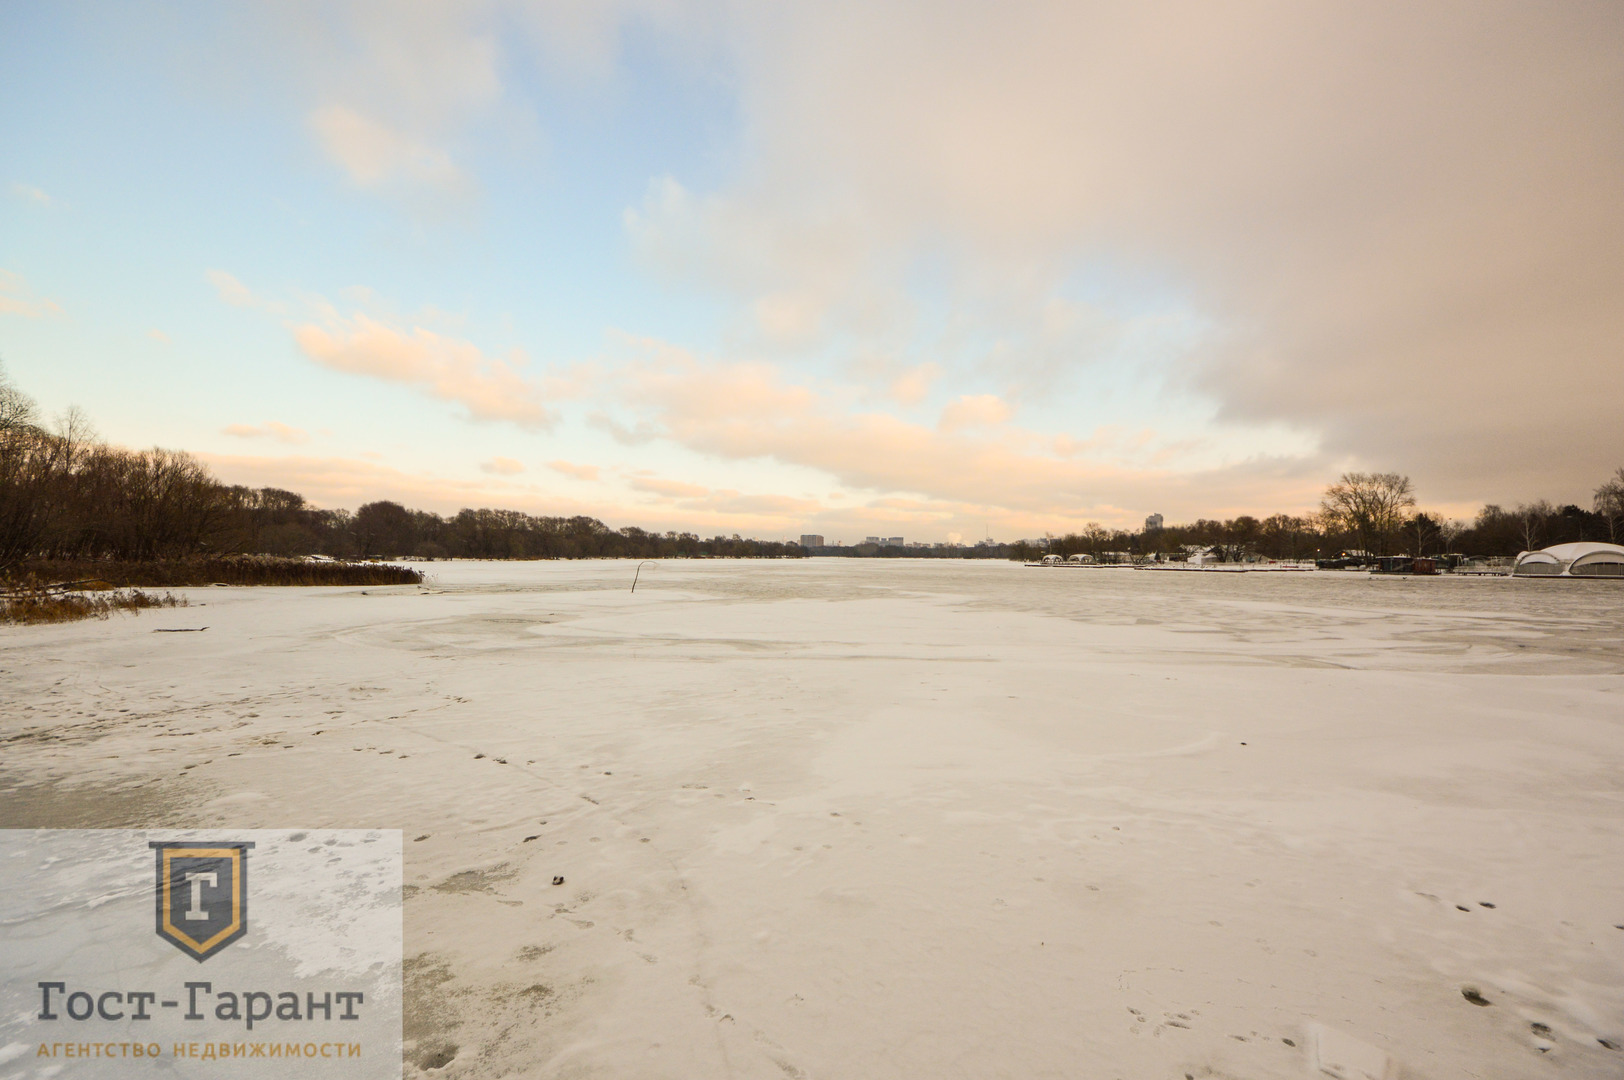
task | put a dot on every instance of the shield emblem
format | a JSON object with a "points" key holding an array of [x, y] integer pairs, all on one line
{"points": [[202, 897]]}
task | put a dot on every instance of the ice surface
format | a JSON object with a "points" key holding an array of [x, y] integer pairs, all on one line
{"points": [[1346, 1058], [837, 818]]}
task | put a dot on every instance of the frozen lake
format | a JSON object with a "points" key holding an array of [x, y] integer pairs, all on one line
{"points": [[842, 818]]}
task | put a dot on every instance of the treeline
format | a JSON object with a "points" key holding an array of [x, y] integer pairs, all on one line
{"points": [[1369, 512], [914, 551], [67, 499], [281, 523]]}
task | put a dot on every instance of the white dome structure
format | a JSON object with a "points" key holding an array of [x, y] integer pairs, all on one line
{"points": [[1587, 559]]}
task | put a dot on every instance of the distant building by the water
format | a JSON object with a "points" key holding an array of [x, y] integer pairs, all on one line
{"points": [[811, 540], [1153, 522]]}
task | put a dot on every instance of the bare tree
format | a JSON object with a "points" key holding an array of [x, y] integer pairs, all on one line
{"points": [[1282, 535], [384, 528], [32, 466], [1610, 505], [17, 410], [77, 433], [1531, 521], [1370, 506], [1449, 530], [1424, 529]]}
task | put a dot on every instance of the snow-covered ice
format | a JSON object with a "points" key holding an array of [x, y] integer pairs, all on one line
{"points": [[842, 818]]}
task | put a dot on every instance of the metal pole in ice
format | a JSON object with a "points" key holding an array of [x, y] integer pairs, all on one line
{"points": [[640, 566]]}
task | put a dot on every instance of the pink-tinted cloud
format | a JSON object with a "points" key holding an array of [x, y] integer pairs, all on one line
{"points": [[1396, 229], [911, 387], [975, 410], [32, 194], [669, 488], [752, 412], [230, 289], [502, 466], [1399, 224], [728, 502], [451, 369], [235, 293], [271, 429], [574, 471], [392, 85], [373, 154], [16, 298]]}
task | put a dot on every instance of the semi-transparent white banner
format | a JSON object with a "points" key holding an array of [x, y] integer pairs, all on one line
{"points": [[220, 953]]}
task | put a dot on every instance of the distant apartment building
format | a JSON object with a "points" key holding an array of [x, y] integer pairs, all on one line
{"points": [[893, 541], [873, 540], [811, 540], [1153, 522]]}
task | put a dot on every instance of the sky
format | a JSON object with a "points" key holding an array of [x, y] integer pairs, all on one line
{"points": [[940, 270]]}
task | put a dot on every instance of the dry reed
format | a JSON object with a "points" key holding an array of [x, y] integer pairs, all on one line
{"points": [[56, 605]]}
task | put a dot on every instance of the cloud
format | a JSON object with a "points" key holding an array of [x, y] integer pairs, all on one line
{"points": [[805, 274], [790, 316], [373, 154], [159, 336], [578, 472], [384, 78], [395, 88], [1394, 236], [974, 410], [911, 387], [502, 466], [635, 435], [669, 488], [429, 66], [1337, 203], [230, 289], [1392, 231], [32, 194], [271, 429], [779, 506], [581, 41], [985, 469], [235, 293], [448, 368], [16, 298]]}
